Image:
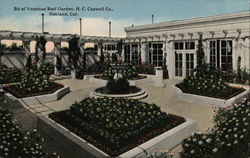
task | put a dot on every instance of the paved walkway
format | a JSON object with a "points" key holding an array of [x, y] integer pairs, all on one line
{"points": [[80, 89]]}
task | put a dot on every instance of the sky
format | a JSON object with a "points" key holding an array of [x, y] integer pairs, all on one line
{"points": [[121, 13]]}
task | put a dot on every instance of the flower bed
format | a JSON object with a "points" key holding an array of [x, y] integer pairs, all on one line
{"points": [[229, 138], [145, 68], [242, 76], [34, 81], [9, 75], [208, 81], [116, 125], [232, 91], [22, 93], [14, 143]]}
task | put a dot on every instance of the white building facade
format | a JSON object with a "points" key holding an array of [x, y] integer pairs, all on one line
{"points": [[225, 40]]}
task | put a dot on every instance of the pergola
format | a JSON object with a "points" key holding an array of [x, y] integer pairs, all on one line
{"points": [[27, 37], [19, 35]]}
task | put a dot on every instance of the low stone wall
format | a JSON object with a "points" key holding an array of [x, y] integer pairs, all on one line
{"points": [[12, 100], [208, 101], [78, 147], [139, 95]]}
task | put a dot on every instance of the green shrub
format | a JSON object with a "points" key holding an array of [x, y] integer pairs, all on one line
{"points": [[145, 68], [131, 71], [35, 79], [229, 138], [116, 125], [120, 85], [242, 76], [207, 79], [9, 75], [15, 144]]}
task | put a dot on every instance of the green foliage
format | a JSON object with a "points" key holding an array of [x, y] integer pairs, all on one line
{"points": [[116, 122], [29, 62], [146, 68], [97, 68], [58, 62], [40, 44], [47, 68], [9, 75], [121, 85], [109, 72], [242, 76], [36, 79], [12, 47], [14, 143], [74, 52], [3, 47], [131, 71], [200, 53], [207, 79], [229, 138], [114, 57]]}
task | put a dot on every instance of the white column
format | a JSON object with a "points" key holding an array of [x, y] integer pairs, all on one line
{"points": [[246, 53], [167, 46], [143, 53], [184, 67], [57, 47], [40, 52], [26, 45], [235, 54], [164, 52], [171, 60], [123, 55], [204, 43], [195, 53], [207, 53], [99, 51]]}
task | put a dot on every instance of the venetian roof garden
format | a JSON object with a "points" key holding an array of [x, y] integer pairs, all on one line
{"points": [[177, 89]]}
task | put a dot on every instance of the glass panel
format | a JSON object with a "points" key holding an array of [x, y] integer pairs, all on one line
{"points": [[187, 45], [223, 43], [192, 45], [223, 59], [176, 46], [160, 58], [181, 45], [223, 51], [229, 59]]}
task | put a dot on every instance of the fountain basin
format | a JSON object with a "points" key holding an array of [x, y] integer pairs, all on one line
{"points": [[135, 93]]}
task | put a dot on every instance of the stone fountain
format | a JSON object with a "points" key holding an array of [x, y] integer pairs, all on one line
{"points": [[119, 87]]}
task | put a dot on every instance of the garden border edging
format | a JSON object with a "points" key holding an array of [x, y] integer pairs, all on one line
{"points": [[12, 100], [79, 147], [203, 100]]}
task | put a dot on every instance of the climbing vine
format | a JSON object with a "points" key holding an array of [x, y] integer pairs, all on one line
{"points": [[200, 53], [74, 52], [40, 44]]}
